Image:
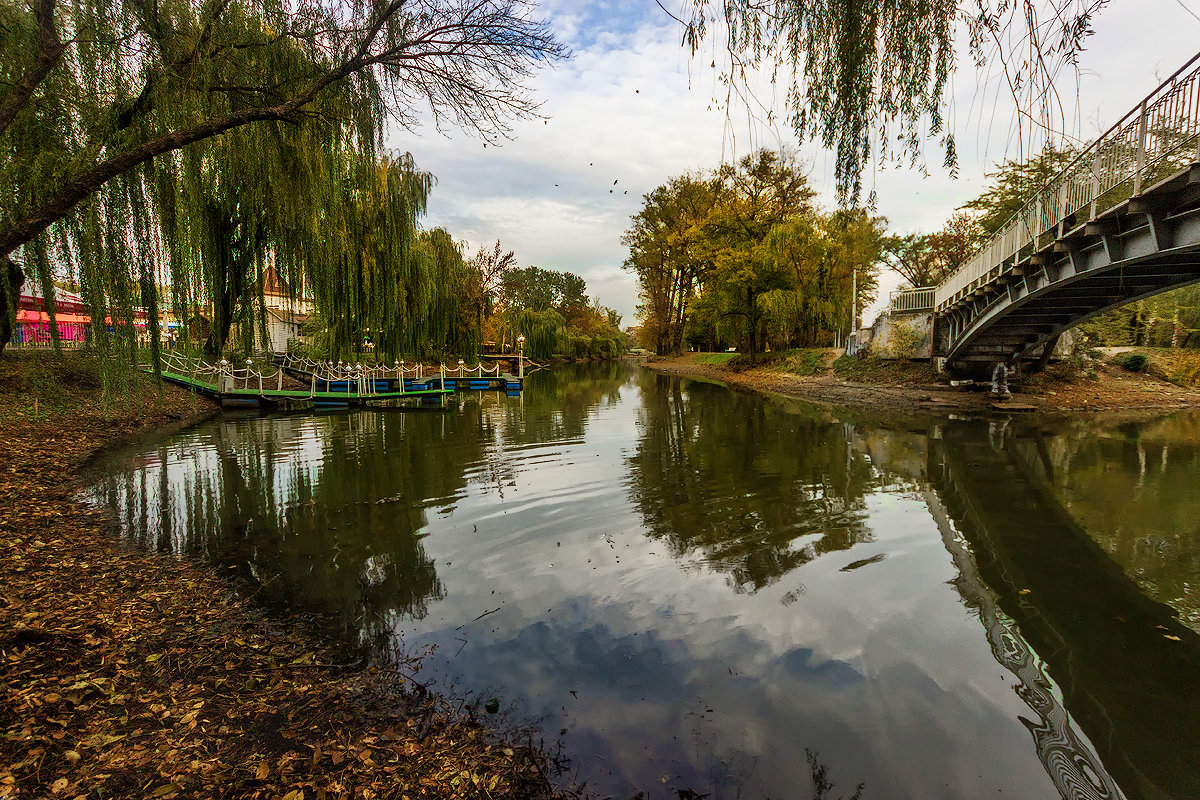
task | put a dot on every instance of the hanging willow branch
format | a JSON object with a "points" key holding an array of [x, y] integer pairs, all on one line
{"points": [[91, 92], [868, 78]]}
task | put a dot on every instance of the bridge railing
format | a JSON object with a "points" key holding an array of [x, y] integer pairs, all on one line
{"points": [[910, 301], [1155, 139]]}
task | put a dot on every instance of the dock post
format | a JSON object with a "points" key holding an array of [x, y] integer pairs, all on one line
{"points": [[521, 357]]}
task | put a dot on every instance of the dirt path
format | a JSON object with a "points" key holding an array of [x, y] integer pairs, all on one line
{"points": [[917, 387]]}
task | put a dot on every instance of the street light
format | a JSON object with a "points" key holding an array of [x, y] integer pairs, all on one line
{"points": [[521, 357]]}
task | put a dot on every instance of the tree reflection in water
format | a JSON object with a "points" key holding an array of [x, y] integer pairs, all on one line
{"points": [[753, 488], [324, 513]]}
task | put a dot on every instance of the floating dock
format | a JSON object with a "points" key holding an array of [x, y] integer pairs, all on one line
{"points": [[329, 385]]}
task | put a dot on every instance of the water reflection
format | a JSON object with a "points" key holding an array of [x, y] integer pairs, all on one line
{"points": [[755, 490], [1127, 669], [698, 584]]}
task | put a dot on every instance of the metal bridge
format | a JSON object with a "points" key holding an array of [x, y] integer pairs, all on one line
{"points": [[1119, 224]]}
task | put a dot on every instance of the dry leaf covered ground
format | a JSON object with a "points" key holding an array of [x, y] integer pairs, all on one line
{"points": [[135, 675]]}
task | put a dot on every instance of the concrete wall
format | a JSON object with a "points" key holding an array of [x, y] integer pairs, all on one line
{"points": [[896, 336]]}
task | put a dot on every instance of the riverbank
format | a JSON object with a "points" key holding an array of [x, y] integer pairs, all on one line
{"points": [[826, 378], [136, 675]]}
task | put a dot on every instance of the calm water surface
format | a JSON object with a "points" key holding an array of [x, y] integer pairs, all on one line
{"points": [[698, 585]]}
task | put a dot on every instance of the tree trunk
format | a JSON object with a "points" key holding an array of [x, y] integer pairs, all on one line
{"points": [[12, 278], [752, 323]]}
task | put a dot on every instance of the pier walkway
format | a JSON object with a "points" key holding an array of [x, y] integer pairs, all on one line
{"points": [[295, 381]]}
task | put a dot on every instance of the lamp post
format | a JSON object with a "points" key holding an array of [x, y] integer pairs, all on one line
{"points": [[460, 368], [521, 356]]}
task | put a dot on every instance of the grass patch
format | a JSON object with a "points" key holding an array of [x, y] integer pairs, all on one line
{"points": [[715, 359], [41, 385], [879, 370], [805, 362], [1180, 367]]}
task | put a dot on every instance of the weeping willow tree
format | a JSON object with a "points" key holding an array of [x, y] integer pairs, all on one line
{"points": [[234, 205], [93, 92], [364, 253], [869, 78], [544, 331]]}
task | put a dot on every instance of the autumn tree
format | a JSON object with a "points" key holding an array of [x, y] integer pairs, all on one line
{"points": [[925, 259], [911, 257], [952, 246], [662, 241], [761, 191]]}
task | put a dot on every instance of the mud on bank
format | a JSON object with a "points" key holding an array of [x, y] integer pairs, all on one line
{"points": [[135, 675], [824, 378]]}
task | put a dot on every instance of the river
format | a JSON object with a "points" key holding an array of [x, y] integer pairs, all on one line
{"points": [[695, 588]]}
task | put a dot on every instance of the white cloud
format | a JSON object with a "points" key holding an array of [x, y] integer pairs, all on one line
{"points": [[632, 106]]}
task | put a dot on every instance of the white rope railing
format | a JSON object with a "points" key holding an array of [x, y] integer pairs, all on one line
{"points": [[223, 375], [399, 369], [1156, 138]]}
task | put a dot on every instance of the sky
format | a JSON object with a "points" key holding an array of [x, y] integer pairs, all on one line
{"points": [[632, 108]]}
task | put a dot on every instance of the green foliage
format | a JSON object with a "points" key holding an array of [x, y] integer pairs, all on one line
{"points": [[868, 78], [540, 289], [1171, 319], [1132, 362], [742, 257], [216, 138], [712, 358], [1013, 184], [554, 314], [544, 332]]}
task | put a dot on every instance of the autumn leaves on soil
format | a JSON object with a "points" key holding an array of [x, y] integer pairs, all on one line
{"points": [[131, 675]]}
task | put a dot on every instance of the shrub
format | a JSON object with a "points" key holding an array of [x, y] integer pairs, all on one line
{"points": [[1132, 362], [903, 340]]}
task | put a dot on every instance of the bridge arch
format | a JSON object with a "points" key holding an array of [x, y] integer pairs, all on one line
{"points": [[1119, 224]]}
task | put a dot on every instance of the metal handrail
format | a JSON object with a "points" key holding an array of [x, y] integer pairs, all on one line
{"points": [[1161, 126], [919, 298]]}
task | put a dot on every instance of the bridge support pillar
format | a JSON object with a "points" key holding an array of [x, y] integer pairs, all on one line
{"points": [[1000, 382], [1041, 361]]}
